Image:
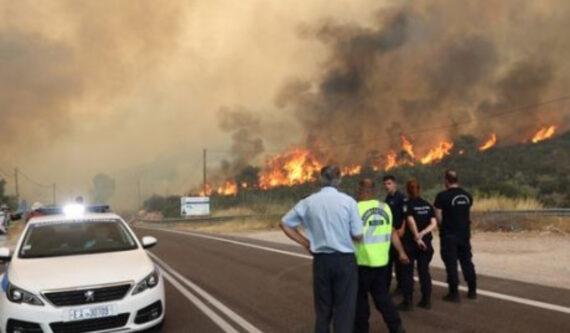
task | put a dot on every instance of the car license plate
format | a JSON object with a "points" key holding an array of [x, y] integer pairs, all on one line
{"points": [[90, 313]]}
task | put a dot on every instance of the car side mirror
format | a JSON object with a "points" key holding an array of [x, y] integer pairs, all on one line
{"points": [[148, 242], [5, 254]]}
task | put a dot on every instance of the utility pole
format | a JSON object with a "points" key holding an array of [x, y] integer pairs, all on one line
{"points": [[53, 194], [205, 185], [16, 186]]}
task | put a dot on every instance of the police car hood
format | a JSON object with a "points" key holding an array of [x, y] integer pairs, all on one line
{"points": [[41, 274]]}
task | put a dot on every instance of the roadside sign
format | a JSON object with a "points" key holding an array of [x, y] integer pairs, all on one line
{"points": [[194, 206]]}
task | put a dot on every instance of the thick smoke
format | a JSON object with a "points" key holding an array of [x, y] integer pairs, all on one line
{"points": [[133, 89], [431, 65], [245, 128]]}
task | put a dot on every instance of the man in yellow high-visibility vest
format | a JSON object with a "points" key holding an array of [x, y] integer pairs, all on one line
{"points": [[372, 255]]}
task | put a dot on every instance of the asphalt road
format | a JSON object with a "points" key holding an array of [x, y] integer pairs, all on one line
{"points": [[218, 284], [229, 284]]}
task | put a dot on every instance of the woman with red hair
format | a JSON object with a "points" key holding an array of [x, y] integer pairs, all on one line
{"points": [[420, 222]]}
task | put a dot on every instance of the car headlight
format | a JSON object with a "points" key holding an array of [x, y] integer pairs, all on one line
{"points": [[18, 295], [148, 282]]}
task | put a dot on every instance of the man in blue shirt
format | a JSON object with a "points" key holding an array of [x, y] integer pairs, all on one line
{"points": [[331, 221]]}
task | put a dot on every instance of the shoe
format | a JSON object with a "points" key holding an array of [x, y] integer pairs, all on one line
{"points": [[452, 297], [472, 294], [405, 306], [424, 303]]}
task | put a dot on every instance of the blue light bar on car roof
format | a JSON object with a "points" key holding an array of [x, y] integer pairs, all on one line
{"points": [[88, 209]]}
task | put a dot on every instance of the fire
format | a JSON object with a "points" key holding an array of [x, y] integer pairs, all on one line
{"points": [[351, 170], [407, 146], [391, 161], [489, 143], [229, 187], [544, 133], [437, 153], [294, 167], [207, 191]]}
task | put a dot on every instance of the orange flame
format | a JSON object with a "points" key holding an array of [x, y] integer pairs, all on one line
{"points": [[229, 187], [437, 153], [407, 146], [351, 170], [544, 133], [391, 160], [489, 143], [294, 167], [207, 191]]}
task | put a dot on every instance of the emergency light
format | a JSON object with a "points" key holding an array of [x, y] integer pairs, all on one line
{"points": [[74, 210]]}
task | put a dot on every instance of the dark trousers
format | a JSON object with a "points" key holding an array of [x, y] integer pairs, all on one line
{"points": [[394, 265], [335, 284], [422, 259], [372, 280], [455, 249]]}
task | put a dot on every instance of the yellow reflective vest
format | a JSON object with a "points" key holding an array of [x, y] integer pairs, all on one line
{"points": [[373, 250]]}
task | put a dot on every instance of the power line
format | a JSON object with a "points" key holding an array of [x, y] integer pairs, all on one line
{"points": [[419, 131], [28, 178]]}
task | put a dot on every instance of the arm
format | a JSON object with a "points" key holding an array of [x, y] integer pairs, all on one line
{"points": [[398, 246], [297, 236], [417, 235], [430, 228], [413, 227], [438, 216], [290, 225], [356, 224], [402, 230]]}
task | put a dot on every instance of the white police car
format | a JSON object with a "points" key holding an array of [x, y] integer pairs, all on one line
{"points": [[79, 271]]}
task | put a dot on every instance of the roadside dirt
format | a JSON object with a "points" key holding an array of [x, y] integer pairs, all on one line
{"points": [[534, 257]]}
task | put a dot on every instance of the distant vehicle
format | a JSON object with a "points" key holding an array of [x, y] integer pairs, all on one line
{"points": [[79, 271], [4, 221]]}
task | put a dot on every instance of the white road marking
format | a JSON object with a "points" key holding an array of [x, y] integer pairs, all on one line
{"points": [[224, 325], [491, 294], [209, 298]]}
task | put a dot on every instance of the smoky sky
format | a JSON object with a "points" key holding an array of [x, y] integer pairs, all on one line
{"points": [[427, 64], [136, 90]]}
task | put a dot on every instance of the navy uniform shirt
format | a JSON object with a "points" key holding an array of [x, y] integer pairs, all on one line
{"points": [[397, 202], [455, 204], [422, 212]]}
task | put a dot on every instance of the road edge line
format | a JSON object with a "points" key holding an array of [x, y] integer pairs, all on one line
{"points": [[491, 294], [221, 322], [209, 298]]}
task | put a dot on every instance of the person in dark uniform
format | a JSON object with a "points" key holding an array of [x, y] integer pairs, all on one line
{"points": [[452, 209], [396, 200], [420, 222]]}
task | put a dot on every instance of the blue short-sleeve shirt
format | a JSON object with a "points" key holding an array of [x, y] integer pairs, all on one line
{"points": [[330, 218]]}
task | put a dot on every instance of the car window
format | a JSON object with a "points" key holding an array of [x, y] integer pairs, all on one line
{"points": [[54, 239]]}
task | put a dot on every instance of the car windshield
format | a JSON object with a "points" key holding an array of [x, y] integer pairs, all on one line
{"points": [[54, 239]]}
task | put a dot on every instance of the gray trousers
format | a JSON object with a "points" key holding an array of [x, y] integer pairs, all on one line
{"points": [[335, 286]]}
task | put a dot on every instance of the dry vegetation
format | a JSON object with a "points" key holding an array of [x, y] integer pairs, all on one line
{"points": [[495, 203]]}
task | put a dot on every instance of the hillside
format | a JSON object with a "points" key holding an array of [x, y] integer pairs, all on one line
{"points": [[538, 171]]}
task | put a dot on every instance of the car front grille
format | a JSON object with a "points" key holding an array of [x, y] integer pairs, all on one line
{"points": [[88, 295], [90, 325]]}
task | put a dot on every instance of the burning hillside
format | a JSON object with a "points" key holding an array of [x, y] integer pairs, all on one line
{"points": [[299, 165], [400, 89]]}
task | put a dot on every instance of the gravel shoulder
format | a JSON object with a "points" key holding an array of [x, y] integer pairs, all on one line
{"points": [[534, 257]]}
